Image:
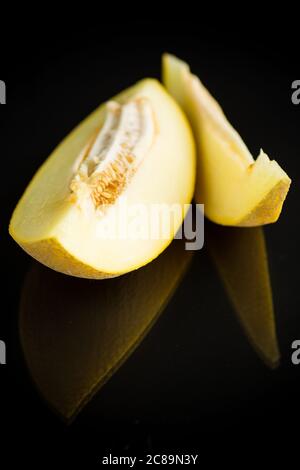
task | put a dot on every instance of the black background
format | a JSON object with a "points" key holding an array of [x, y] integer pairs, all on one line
{"points": [[194, 384]]}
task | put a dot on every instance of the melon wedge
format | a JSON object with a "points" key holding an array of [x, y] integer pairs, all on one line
{"points": [[118, 168], [235, 189]]}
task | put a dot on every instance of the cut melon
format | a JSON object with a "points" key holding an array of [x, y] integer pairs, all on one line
{"points": [[235, 189], [110, 176]]}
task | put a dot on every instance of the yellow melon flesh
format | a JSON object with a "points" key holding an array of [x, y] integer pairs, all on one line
{"points": [[65, 236], [235, 189]]}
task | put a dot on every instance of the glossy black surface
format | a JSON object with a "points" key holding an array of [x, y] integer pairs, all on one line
{"points": [[194, 382]]}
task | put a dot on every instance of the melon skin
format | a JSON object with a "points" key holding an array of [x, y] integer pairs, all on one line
{"points": [[235, 189], [49, 227]]}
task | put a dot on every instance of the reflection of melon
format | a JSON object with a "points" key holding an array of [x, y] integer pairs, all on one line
{"points": [[241, 260], [235, 189], [138, 146], [75, 333]]}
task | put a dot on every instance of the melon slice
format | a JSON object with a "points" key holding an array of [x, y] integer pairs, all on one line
{"points": [[127, 165], [235, 189]]}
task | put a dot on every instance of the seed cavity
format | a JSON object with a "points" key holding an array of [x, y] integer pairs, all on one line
{"points": [[109, 162]]}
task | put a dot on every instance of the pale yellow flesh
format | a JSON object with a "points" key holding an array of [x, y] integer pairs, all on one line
{"points": [[56, 232], [235, 189]]}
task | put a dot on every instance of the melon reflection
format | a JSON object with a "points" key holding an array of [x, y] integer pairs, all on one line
{"points": [[240, 257], [75, 333]]}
